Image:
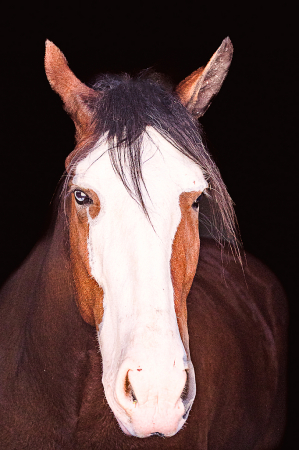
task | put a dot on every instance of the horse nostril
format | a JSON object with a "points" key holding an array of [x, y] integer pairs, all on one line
{"points": [[157, 434], [134, 399], [187, 412], [184, 393], [129, 390]]}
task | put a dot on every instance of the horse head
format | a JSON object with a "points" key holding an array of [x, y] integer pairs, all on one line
{"points": [[132, 206]]}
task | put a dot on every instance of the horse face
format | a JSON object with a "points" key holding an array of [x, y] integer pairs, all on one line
{"points": [[133, 274]]}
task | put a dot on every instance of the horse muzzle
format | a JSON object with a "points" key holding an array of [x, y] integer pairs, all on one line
{"points": [[153, 402]]}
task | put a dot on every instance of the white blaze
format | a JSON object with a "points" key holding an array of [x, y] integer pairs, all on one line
{"points": [[130, 259]]}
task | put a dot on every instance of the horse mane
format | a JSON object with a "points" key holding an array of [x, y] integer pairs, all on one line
{"points": [[123, 109]]}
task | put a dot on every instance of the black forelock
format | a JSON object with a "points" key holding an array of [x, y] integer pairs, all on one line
{"points": [[124, 108]]}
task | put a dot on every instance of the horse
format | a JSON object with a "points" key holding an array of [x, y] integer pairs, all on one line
{"points": [[123, 329]]}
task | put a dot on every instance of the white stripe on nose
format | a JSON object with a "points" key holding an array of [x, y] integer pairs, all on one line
{"points": [[144, 359]]}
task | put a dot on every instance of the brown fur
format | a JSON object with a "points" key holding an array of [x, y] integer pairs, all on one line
{"points": [[89, 295], [50, 383], [185, 251]]}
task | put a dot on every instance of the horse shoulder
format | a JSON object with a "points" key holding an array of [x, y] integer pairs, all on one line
{"points": [[236, 319]]}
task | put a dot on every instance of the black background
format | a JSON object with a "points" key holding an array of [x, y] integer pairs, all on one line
{"points": [[250, 125]]}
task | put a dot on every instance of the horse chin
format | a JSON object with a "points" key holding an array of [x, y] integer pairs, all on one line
{"points": [[131, 432], [143, 426]]}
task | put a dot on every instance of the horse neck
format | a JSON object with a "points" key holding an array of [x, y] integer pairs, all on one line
{"points": [[39, 314]]}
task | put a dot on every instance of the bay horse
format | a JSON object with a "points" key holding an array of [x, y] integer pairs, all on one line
{"points": [[116, 291]]}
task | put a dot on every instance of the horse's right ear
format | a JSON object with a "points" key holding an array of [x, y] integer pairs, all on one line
{"points": [[78, 99], [198, 90]]}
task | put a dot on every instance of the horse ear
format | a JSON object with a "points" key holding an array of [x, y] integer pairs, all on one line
{"points": [[78, 99], [197, 91]]}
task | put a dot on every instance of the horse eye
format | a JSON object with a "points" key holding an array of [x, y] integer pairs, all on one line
{"points": [[195, 205], [81, 198]]}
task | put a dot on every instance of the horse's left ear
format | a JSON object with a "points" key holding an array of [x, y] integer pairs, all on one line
{"points": [[197, 91], [78, 98]]}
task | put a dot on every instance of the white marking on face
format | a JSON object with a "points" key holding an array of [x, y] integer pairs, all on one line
{"points": [[130, 259]]}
